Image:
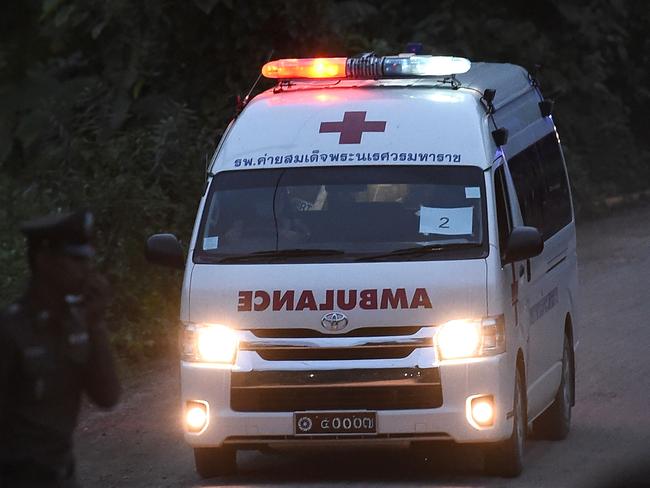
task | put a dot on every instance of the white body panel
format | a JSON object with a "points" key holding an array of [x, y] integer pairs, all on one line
{"points": [[215, 290], [422, 127]]}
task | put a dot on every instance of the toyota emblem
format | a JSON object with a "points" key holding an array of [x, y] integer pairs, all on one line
{"points": [[334, 321]]}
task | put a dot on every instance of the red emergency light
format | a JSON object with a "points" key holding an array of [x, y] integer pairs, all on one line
{"points": [[314, 68]]}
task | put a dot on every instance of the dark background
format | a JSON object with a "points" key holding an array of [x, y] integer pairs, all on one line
{"points": [[116, 104]]}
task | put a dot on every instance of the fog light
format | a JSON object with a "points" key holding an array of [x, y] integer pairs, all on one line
{"points": [[196, 416], [480, 411]]}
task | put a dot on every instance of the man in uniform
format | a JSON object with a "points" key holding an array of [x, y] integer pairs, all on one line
{"points": [[53, 348]]}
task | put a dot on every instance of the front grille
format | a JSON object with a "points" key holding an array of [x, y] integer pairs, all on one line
{"points": [[361, 332], [359, 344], [335, 353], [360, 389]]}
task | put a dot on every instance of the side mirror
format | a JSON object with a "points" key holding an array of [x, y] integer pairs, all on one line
{"points": [[524, 243], [164, 249]]}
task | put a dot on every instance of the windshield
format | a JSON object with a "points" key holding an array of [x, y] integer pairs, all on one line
{"points": [[333, 214]]}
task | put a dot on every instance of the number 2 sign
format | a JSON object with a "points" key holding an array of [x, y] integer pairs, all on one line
{"points": [[446, 221]]}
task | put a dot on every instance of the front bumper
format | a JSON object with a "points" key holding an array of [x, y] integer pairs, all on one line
{"points": [[459, 380]]}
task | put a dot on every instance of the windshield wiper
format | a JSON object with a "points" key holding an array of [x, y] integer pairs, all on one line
{"points": [[418, 250], [281, 253]]}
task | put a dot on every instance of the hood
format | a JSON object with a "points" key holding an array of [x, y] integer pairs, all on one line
{"points": [[369, 294]]}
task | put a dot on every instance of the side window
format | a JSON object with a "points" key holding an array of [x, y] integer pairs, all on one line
{"points": [[528, 180], [504, 218], [557, 200]]}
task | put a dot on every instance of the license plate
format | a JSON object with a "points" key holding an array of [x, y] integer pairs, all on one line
{"points": [[335, 423]]}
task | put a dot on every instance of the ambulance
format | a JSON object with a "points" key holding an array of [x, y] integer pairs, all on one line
{"points": [[384, 255]]}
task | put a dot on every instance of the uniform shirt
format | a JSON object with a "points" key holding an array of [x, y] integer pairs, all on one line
{"points": [[46, 364]]}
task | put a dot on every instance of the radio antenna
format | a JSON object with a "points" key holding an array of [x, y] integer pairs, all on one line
{"points": [[241, 103]]}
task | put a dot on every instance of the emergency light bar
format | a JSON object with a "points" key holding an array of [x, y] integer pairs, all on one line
{"points": [[367, 66]]}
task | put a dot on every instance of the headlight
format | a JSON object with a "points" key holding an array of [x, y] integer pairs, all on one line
{"points": [[471, 338], [213, 343]]}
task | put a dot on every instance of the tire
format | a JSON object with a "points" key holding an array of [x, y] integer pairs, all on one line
{"points": [[211, 462], [555, 423], [506, 458]]}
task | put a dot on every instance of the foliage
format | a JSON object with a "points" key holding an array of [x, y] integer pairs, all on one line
{"points": [[115, 106]]}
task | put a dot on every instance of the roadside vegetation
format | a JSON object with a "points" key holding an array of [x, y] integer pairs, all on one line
{"points": [[116, 105]]}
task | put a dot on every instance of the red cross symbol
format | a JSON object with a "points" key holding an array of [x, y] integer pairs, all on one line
{"points": [[352, 127]]}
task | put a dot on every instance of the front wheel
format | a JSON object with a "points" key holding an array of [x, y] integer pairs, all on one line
{"points": [[211, 462], [506, 458], [555, 423]]}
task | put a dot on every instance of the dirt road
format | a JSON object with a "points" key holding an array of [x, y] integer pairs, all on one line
{"points": [[140, 444]]}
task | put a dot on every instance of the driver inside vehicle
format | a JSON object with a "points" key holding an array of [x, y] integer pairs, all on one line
{"points": [[291, 228], [257, 222]]}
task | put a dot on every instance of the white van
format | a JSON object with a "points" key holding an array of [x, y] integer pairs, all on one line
{"points": [[385, 253]]}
